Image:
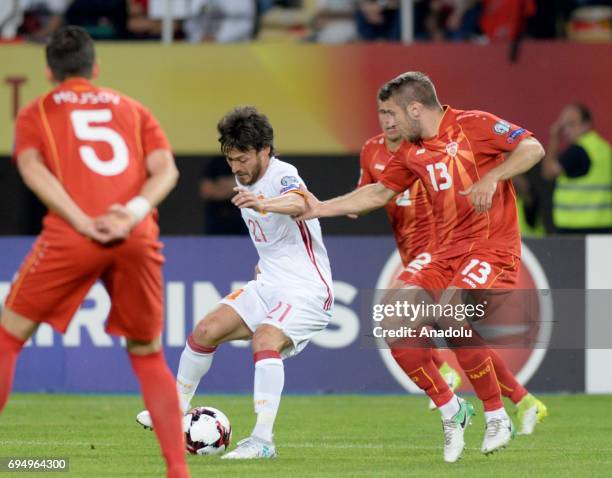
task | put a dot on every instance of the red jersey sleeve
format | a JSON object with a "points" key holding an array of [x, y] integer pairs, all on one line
{"points": [[28, 132], [153, 137], [364, 174], [490, 135], [396, 175]]}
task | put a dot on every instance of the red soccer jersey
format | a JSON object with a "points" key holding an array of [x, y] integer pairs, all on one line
{"points": [[94, 140], [409, 213], [468, 145]]}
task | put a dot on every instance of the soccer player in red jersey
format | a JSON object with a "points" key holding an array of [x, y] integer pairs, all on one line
{"points": [[411, 217], [465, 160], [101, 163], [409, 212]]}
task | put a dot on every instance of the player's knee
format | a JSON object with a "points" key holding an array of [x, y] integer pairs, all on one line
{"points": [[137, 347], [268, 337], [207, 332], [17, 325]]}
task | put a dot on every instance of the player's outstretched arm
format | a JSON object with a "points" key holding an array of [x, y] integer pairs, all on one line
{"points": [[51, 192], [359, 201], [526, 155], [291, 204]]}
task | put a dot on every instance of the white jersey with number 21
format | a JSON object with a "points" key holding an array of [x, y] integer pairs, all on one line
{"points": [[291, 253]]}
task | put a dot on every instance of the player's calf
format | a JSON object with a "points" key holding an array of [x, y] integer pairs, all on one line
{"points": [[269, 337], [268, 342], [14, 332]]}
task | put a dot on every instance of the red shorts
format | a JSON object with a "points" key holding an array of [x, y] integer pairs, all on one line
{"points": [[62, 266], [484, 269], [409, 252]]}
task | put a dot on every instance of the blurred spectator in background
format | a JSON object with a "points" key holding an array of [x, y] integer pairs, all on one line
{"points": [[33, 20], [103, 19], [10, 19], [334, 22], [591, 21], [378, 20], [216, 189], [222, 21], [454, 20], [212, 20], [41, 18], [581, 162], [141, 26], [505, 20]]}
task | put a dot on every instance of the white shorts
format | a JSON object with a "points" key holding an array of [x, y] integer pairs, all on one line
{"points": [[300, 315]]}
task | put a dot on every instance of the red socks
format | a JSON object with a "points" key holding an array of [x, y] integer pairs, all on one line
{"points": [[436, 356], [508, 384], [479, 369], [507, 381], [10, 346], [161, 399], [417, 363]]}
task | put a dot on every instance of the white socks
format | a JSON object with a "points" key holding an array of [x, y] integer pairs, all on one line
{"points": [[192, 367], [268, 387], [499, 413], [450, 408]]}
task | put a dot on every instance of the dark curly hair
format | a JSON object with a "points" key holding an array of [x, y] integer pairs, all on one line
{"points": [[244, 128], [70, 52]]}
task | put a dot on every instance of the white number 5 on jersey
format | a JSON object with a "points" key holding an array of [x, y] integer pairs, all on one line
{"points": [[84, 130]]}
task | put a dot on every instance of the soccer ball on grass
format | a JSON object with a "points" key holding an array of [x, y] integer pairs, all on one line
{"points": [[207, 431]]}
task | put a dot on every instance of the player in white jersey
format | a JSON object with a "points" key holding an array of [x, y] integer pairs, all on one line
{"points": [[291, 297]]}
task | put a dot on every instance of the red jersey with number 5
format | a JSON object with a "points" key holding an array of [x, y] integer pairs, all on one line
{"points": [[409, 212], [93, 140], [468, 145]]}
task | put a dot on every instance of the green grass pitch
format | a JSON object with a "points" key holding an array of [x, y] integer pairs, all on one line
{"points": [[321, 435]]}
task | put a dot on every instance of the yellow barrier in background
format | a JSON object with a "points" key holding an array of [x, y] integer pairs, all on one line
{"points": [[321, 99], [189, 87]]}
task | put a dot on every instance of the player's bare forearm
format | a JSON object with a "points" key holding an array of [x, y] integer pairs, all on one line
{"points": [[359, 201], [47, 188], [51, 192], [291, 204], [526, 155], [163, 176]]}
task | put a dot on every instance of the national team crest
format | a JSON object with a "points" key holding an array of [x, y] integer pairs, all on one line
{"points": [[452, 149]]}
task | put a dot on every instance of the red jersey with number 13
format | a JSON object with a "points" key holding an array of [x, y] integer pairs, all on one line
{"points": [[468, 145], [93, 140]]}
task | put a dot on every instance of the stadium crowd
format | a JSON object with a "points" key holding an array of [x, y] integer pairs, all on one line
{"points": [[326, 21]]}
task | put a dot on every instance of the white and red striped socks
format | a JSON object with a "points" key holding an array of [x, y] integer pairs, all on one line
{"points": [[268, 387], [194, 364]]}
